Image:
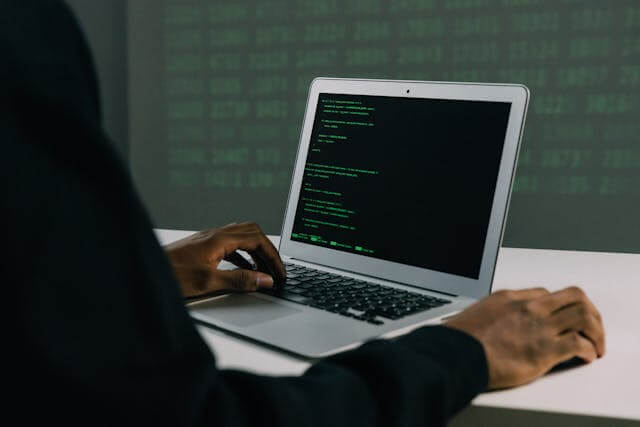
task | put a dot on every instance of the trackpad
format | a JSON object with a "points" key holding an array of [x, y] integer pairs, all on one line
{"points": [[243, 310]]}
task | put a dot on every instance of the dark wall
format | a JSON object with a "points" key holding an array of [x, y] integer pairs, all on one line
{"points": [[105, 25], [218, 89]]}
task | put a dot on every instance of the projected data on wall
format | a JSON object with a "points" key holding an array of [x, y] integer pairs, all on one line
{"points": [[218, 90]]}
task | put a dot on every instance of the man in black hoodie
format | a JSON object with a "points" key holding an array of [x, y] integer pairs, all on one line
{"points": [[96, 329]]}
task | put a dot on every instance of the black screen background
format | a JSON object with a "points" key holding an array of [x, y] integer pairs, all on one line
{"points": [[430, 204]]}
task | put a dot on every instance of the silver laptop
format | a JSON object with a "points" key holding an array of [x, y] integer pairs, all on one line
{"points": [[395, 214]]}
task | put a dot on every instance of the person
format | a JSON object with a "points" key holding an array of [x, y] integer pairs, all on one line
{"points": [[97, 332]]}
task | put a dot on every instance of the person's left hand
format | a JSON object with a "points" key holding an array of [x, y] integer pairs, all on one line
{"points": [[195, 260]]}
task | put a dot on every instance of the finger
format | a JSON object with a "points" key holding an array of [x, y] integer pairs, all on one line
{"points": [[274, 266], [261, 264], [559, 299], [523, 294], [579, 317], [259, 246], [591, 306], [240, 280], [241, 227], [228, 226], [572, 344], [238, 260]]}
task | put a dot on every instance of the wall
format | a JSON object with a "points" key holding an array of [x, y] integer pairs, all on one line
{"points": [[219, 87]]}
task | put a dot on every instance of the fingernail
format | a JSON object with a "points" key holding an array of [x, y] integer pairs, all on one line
{"points": [[264, 281]]}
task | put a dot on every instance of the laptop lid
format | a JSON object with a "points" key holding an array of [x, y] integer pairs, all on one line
{"points": [[406, 181]]}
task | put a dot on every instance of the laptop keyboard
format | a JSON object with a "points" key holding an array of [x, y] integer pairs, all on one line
{"points": [[359, 299]]}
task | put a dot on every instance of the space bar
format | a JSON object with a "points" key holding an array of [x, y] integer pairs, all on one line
{"points": [[290, 296]]}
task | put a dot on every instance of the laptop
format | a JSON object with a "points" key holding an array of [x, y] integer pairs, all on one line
{"points": [[395, 213]]}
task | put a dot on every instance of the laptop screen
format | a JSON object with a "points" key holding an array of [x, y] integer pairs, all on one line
{"points": [[407, 180]]}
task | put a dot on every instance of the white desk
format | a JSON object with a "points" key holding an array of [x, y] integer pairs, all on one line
{"points": [[609, 388]]}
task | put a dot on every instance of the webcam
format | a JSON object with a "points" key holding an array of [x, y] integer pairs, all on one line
{"points": [[407, 90]]}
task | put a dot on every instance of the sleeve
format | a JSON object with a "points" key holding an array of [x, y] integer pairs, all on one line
{"points": [[97, 329]]}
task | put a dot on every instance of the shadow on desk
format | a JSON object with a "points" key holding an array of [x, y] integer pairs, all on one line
{"points": [[481, 416]]}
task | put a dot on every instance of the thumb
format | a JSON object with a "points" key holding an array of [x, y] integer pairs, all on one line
{"points": [[242, 280]]}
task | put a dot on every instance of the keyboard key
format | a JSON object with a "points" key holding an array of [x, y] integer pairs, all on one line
{"points": [[359, 299], [300, 299]]}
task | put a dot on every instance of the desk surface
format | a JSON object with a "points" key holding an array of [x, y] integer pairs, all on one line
{"points": [[609, 387]]}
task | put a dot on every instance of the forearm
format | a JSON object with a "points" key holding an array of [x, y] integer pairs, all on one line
{"points": [[419, 380]]}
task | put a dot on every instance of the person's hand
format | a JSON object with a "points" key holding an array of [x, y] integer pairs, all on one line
{"points": [[526, 333], [195, 260]]}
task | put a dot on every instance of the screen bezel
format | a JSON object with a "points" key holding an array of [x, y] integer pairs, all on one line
{"points": [[517, 95]]}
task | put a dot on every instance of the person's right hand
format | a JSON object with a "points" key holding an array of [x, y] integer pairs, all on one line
{"points": [[195, 261], [526, 333]]}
